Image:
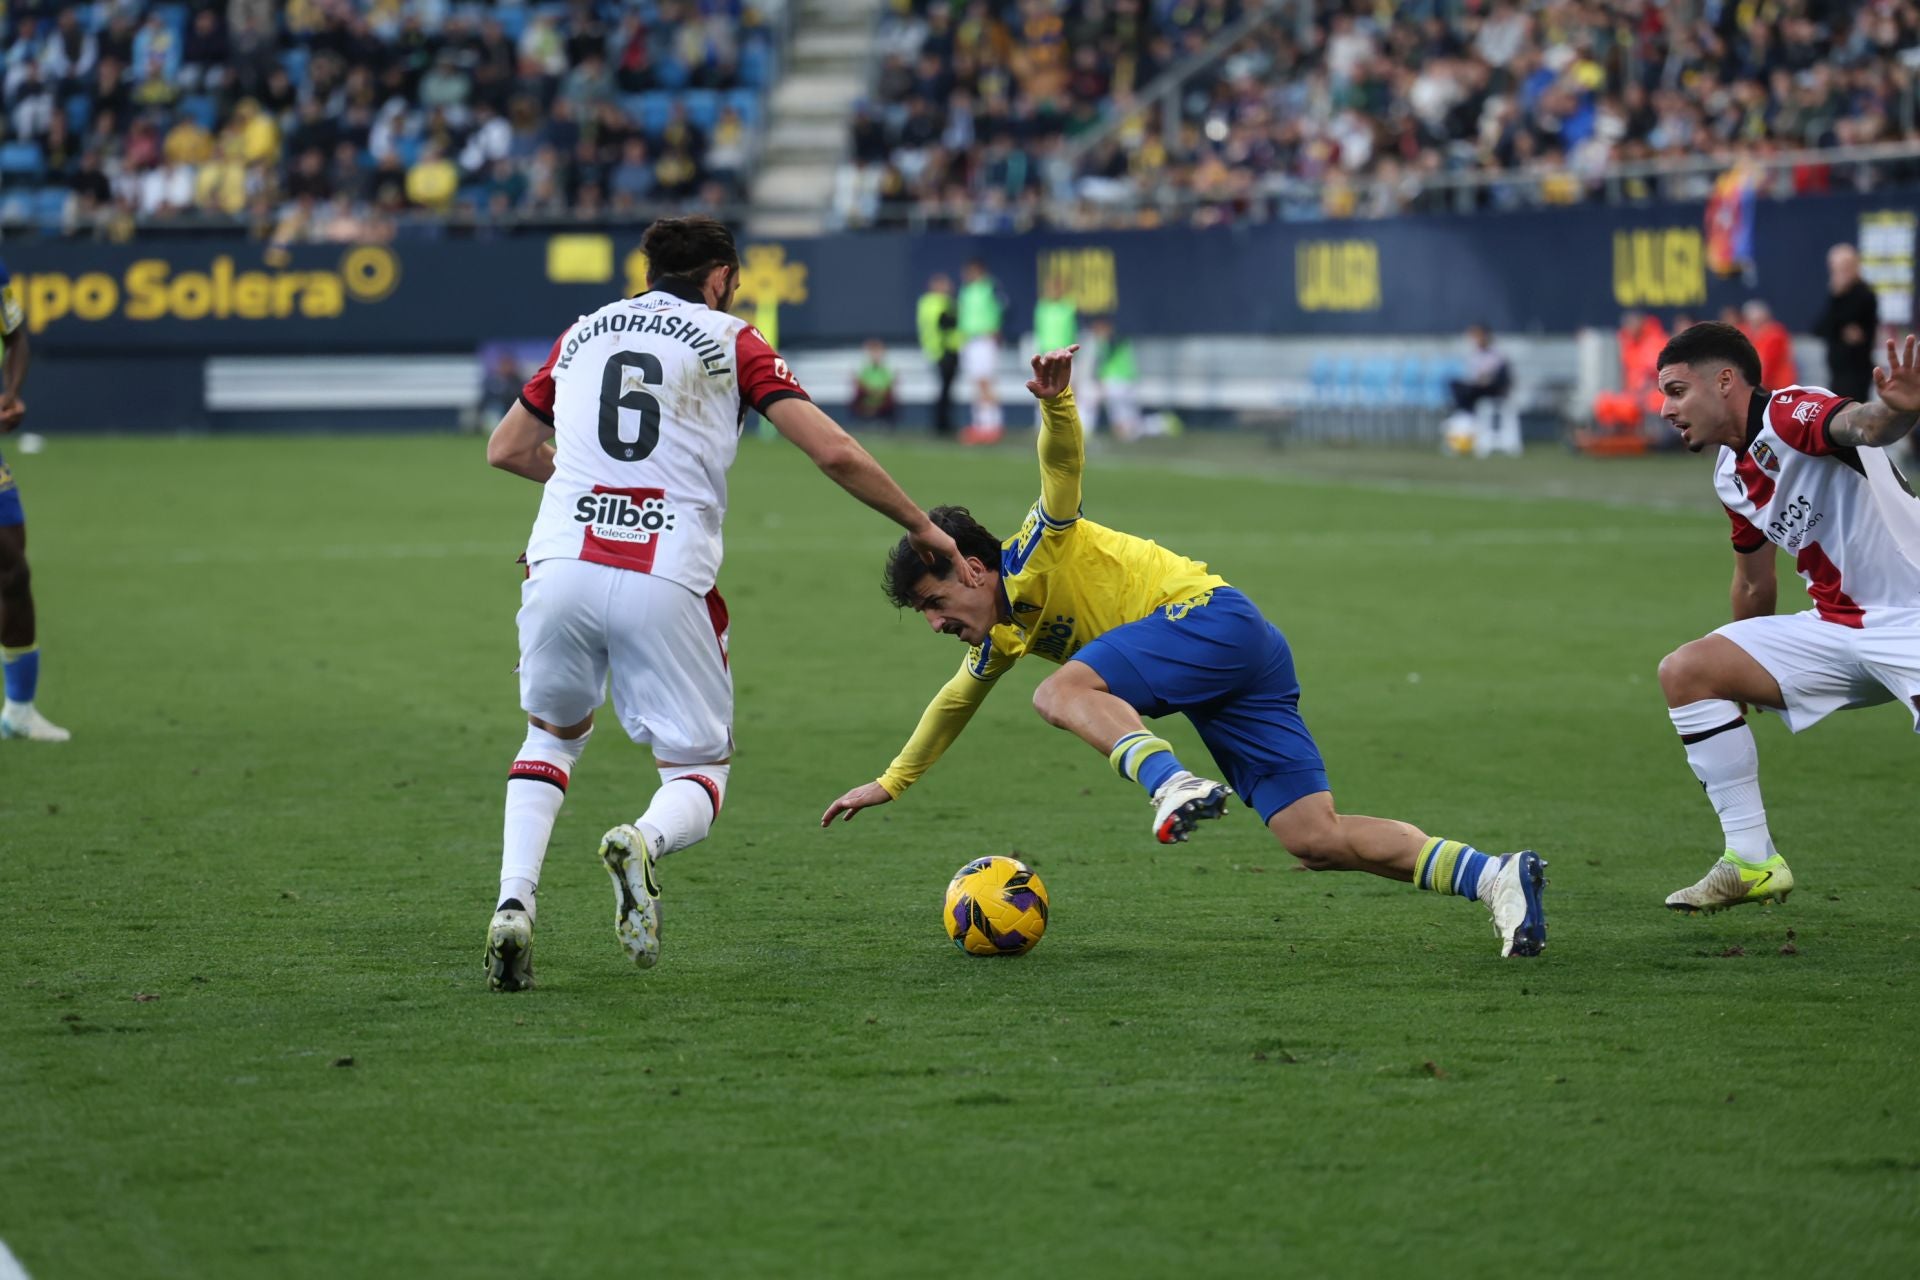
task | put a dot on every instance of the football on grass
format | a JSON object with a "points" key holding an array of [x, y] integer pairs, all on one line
{"points": [[996, 907]]}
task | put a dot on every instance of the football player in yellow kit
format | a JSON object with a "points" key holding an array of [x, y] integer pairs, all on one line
{"points": [[1142, 631]]}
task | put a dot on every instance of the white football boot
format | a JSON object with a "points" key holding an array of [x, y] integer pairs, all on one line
{"points": [[636, 893], [510, 948], [1516, 898], [1734, 882], [23, 720], [1184, 800]]}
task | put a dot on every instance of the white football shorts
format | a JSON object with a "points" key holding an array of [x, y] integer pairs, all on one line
{"points": [[1823, 667], [979, 358], [664, 647]]}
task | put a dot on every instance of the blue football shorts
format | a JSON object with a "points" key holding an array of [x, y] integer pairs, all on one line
{"points": [[1220, 663]]}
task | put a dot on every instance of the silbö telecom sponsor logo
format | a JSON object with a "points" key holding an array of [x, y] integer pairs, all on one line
{"points": [[622, 517]]}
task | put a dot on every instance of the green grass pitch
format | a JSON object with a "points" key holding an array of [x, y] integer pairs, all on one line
{"points": [[244, 1032]]}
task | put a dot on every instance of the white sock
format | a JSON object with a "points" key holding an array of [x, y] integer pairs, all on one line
{"points": [[988, 415], [1721, 751], [683, 809], [536, 788]]}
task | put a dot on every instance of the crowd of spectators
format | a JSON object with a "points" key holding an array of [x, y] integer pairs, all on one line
{"points": [[994, 113], [336, 119]]}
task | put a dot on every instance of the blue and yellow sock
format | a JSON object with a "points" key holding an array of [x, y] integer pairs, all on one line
{"points": [[22, 667], [1448, 866], [1145, 759]]}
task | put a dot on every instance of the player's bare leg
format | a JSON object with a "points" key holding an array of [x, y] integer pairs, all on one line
{"points": [[19, 653], [536, 788], [1076, 698], [1709, 683], [1326, 840], [1323, 839], [681, 814]]}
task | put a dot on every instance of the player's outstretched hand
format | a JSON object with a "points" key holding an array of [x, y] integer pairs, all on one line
{"points": [[861, 797], [935, 544], [1052, 370], [1899, 382], [13, 411]]}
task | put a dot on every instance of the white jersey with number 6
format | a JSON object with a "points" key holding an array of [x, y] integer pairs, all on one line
{"points": [[647, 397]]}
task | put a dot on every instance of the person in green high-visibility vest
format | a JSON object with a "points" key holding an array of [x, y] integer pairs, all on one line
{"points": [[873, 400], [981, 309], [939, 327], [1116, 376], [1056, 326], [1056, 319]]}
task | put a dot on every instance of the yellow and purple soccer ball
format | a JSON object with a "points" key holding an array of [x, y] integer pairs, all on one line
{"points": [[996, 907]]}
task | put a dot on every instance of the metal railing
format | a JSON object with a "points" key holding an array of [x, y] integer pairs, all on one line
{"points": [[1853, 168]]}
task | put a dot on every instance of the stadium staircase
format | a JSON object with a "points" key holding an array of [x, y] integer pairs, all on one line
{"points": [[807, 118]]}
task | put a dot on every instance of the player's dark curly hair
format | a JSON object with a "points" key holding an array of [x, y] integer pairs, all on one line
{"points": [[1715, 344], [687, 248], [905, 568]]}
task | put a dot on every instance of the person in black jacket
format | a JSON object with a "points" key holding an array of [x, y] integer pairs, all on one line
{"points": [[1849, 323]]}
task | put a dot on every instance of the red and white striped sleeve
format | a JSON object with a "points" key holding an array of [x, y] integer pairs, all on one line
{"points": [[1799, 416], [537, 394], [1746, 538], [765, 378]]}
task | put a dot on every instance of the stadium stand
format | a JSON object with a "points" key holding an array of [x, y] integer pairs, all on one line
{"points": [[1002, 114], [340, 120]]}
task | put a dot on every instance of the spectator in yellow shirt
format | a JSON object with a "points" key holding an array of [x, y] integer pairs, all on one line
{"points": [[188, 143], [432, 181], [257, 132]]}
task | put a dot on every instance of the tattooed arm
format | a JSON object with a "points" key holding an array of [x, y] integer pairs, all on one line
{"points": [[1894, 414]]}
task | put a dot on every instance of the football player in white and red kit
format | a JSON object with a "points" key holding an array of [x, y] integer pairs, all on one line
{"points": [[631, 425], [1805, 470]]}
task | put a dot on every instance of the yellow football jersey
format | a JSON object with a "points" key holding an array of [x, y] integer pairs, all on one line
{"points": [[1067, 581]]}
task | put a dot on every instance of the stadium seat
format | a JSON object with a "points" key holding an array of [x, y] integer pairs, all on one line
{"points": [[50, 208], [79, 112], [1345, 380], [512, 19], [16, 207], [703, 108], [656, 106], [175, 16], [1321, 381], [1375, 386], [408, 149], [672, 73], [756, 65], [202, 110], [295, 60], [22, 160], [747, 103], [1409, 379]]}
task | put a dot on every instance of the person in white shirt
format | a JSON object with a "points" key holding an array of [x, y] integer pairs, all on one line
{"points": [[1484, 419], [630, 426], [1806, 471]]}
